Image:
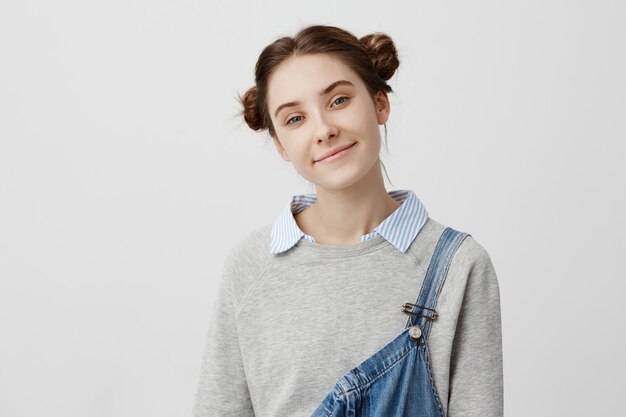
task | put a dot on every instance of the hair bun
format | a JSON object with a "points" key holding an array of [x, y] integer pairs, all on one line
{"points": [[383, 54], [251, 113]]}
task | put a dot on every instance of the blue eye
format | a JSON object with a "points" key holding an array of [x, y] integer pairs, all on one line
{"points": [[294, 117], [289, 121], [339, 98]]}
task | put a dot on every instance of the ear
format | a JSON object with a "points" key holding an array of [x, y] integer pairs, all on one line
{"points": [[280, 149], [382, 106]]}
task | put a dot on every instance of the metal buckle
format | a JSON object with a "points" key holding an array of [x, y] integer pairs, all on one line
{"points": [[406, 307]]}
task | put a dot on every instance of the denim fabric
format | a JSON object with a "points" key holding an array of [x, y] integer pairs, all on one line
{"points": [[397, 380]]}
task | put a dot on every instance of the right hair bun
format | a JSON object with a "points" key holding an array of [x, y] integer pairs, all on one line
{"points": [[383, 53], [251, 113]]}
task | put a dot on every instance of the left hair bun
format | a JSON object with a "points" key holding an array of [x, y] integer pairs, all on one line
{"points": [[382, 52]]}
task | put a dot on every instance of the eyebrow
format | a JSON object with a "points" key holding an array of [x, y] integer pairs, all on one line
{"points": [[324, 91]]}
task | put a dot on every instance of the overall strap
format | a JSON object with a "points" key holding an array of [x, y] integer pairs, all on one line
{"points": [[423, 312]]}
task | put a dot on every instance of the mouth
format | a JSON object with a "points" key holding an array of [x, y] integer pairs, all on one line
{"points": [[337, 155]]}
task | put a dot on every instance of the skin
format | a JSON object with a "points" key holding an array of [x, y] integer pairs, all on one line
{"points": [[351, 195]]}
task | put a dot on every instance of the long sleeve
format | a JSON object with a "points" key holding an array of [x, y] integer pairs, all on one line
{"points": [[476, 374], [222, 387]]}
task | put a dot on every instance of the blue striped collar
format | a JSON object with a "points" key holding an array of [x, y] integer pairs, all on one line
{"points": [[399, 228]]}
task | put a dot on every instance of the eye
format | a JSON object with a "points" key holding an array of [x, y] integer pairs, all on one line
{"points": [[339, 98], [289, 121]]}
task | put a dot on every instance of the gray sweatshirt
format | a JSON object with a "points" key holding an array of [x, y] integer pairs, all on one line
{"points": [[285, 327]]}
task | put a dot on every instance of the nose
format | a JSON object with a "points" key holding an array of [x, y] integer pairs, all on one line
{"points": [[325, 129]]}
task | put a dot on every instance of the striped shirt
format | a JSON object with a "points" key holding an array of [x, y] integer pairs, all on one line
{"points": [[399, 228]]}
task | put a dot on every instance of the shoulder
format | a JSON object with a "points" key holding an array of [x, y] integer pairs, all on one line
{"points": [[246, 261], [255, 246], [471, 273], [469, 254]]}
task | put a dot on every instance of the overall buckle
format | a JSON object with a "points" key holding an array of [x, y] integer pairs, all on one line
{"points": [[406, 308]]}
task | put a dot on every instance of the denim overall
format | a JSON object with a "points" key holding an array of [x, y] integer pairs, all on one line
{"points": [[397, 380]]}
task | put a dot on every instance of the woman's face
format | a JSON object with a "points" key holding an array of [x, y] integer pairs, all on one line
{"points": [[318, 104]]}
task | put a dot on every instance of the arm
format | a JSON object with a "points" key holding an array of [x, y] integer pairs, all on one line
{"points": [[476, 375], [222, 387]]}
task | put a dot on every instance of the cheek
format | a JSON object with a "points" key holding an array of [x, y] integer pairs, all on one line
{"points": [[296, 152], [364, 117]]}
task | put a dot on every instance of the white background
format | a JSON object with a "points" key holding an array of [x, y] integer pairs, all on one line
{"points": [[126, 175]]}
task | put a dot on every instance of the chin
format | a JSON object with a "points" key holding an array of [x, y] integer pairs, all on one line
{"points": [[340, 181]]}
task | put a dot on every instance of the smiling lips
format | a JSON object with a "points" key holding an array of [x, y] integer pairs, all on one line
{"points": [[329, 155]]}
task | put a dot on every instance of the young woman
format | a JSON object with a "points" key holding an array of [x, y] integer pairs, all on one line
{"points": [[354, 301]]}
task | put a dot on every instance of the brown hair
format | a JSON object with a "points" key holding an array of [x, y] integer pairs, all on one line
{"points": [[373, 57]]}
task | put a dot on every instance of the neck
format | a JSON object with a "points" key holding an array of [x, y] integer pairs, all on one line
{"points": [[341, 217]]}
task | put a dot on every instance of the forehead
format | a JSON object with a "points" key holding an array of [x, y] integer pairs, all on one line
{"points": [[299, 78]]}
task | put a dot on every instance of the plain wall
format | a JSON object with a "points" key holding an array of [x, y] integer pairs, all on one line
{"points": [[126, 176]]}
